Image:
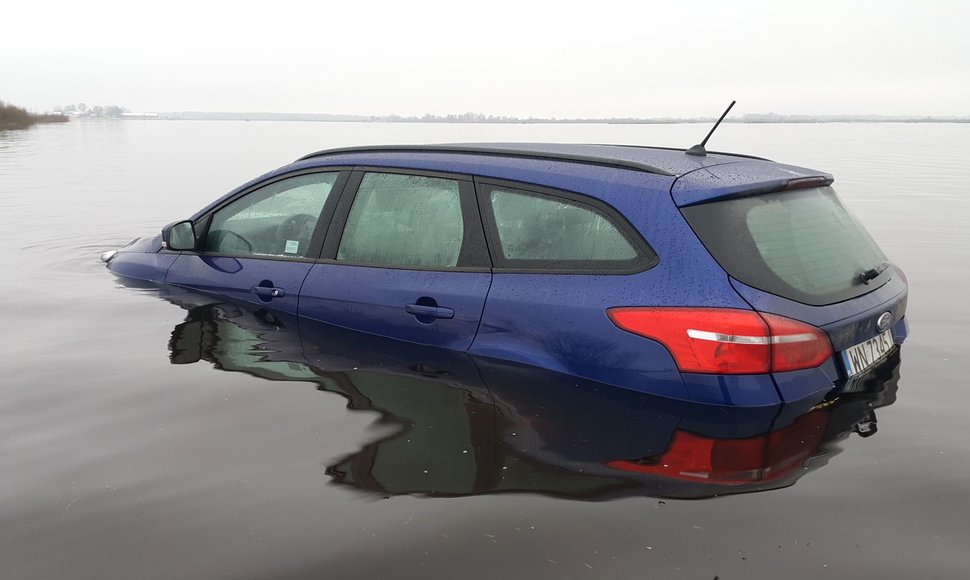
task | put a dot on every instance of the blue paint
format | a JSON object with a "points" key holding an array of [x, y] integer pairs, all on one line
{"points": [[553, 321], [375, 300]]}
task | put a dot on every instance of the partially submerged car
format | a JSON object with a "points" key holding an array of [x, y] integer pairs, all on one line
{"points": [[713, 278]]}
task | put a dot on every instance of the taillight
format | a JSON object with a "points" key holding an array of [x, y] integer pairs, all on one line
{"points": [[728, 341]]}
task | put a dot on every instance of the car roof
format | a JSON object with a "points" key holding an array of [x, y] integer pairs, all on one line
{"points": [[566, 166], [655, 160]]}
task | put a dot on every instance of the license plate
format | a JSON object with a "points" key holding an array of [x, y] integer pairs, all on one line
{"points": [[865, 355]]}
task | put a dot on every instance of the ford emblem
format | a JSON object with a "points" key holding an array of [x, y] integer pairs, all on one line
{"points": [[883, 322]]}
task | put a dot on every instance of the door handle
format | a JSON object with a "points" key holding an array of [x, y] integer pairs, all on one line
{"points": [[431, 311], [268, 291]]}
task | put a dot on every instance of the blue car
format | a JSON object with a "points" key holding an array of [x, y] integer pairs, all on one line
{"points": [[712, 278]]}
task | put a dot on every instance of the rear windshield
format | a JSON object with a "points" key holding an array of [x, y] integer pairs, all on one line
{"points": [[801, 244]]}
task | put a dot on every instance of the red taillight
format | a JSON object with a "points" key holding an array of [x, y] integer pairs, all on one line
{"points": [[728, 341], [796, 345]]}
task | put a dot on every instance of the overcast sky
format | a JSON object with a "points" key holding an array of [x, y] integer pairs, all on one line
{"points": [[546, 59]]}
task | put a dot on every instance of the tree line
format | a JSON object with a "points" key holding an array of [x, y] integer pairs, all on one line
{"points": [[13, 117], [96, 111]]}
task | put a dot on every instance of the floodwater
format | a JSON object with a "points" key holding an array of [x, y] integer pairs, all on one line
{"points": [[156, 434]]}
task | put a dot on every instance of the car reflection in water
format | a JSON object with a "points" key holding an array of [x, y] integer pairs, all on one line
{"points": [[470, 426]]}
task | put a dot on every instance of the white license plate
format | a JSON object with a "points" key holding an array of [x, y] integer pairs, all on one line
{"points": [[863, 356]]}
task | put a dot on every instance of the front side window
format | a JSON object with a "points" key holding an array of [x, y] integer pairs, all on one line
{"points": [[540, 231], [276, 220], [404, 220]]}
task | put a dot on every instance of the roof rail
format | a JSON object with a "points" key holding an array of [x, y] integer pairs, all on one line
{"points": [[493, 151], [682, 150]]}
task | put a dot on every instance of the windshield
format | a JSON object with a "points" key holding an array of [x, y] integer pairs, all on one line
{"points": [[802, 244]]}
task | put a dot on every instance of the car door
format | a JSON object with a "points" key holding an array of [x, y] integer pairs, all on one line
{"points": [[259, 246], [406, 259]]}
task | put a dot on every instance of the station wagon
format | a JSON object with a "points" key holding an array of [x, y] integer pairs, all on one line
{"points": [[713, 278]]}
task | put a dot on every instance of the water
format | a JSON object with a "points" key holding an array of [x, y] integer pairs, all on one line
{"points": [[255, 462]]}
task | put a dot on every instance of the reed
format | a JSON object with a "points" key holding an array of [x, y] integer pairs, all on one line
{"points": [[12, 117]]}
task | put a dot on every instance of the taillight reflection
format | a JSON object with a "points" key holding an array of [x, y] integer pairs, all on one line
{"points": [[763, 458]]}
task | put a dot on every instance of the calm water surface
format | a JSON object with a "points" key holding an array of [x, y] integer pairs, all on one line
{"points": [[160, 436]]}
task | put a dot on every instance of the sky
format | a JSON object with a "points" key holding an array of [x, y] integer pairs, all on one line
{"points": [[526, 59]]}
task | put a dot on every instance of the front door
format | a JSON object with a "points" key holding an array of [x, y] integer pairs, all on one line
{"points": [[259, 247]]}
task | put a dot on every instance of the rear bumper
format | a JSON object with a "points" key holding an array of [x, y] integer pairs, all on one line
{"points": [[817, 382], [809, 385]]}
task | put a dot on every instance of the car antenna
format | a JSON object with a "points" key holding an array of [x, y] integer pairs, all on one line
{"points": [[699, 148]]}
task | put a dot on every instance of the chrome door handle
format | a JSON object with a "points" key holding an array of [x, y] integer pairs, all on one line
{"points": [[432, 311], [268, 291]]}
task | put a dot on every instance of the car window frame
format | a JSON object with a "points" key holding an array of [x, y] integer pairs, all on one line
{"points": [[474, 255], [646, 257], [324, 222]]}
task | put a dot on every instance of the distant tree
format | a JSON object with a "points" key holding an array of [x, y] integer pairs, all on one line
{"points": [[12, 117], [82, 107]]}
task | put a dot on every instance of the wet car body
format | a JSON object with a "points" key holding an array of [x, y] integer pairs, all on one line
{"points": [[510, 293]]}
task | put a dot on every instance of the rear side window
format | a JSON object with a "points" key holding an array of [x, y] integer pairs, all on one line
{"points": [[802, 244], [546, 232], [404, 220]]}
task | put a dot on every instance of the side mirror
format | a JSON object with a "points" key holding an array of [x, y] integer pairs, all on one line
{"points": [[179, 236]]}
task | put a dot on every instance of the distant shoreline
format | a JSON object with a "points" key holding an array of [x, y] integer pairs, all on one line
{"points": [[487, 119], [14, 118]]}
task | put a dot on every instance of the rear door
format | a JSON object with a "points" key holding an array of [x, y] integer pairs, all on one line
{"points": [[406, 259], [259, 246]]}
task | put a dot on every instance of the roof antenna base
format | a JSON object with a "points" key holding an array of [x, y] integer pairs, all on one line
{"points": [[698, 149]]}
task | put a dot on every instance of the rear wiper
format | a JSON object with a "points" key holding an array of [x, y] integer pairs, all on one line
{"points": [[872, 273]]}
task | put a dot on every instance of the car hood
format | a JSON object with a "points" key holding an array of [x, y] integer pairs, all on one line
{"points": [[144, 245]]}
